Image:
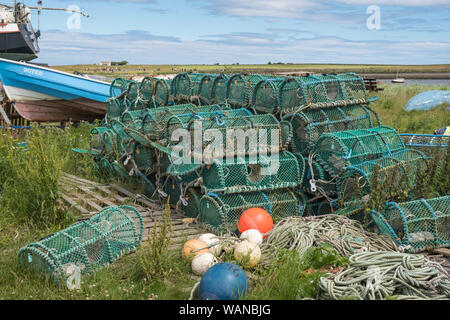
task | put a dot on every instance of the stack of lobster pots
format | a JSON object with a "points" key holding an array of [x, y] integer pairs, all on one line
{"points": [[215, 145]]}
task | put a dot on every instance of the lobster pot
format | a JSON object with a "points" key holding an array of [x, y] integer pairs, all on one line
{"points": [[186, 85], [162, 93], [323, 179], [88, 244], [104, 166], [235, 136], [310, 124], [133, 92], [253, 174], [144, 158], [209, 120], [124, 142], [338, 150], [195, 84], [396, 173], [333, 88], [110, 139], [429, 144], [114, 109], [133, 119], [147, 90], [219, 89], [118, 87], [187, 200], [291, 95], [222, 212], [97, 143], [265, 97], [155, 121], [240, 89], [417, 225], [206, 88]]}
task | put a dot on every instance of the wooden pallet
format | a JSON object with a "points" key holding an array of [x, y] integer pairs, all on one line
{"points": [[87, 198]]}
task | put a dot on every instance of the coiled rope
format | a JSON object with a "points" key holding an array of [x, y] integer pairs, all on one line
{"points": [[345, 235], [378, 275]]}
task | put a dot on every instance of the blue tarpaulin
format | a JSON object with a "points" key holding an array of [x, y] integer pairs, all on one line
{"points": [[428, 100]]}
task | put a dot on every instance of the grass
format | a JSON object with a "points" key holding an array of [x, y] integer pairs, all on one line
{"points": [[391, 109], [142, 70], [29, 210]]}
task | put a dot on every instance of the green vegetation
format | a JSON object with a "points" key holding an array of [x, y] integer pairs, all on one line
{"points": [[143, 70], [391, 109]]}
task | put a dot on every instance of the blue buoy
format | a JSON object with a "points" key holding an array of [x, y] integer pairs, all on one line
{"points": [[224, 281]]}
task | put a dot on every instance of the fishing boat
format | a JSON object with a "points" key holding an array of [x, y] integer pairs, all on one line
{"points": [[18, 39], [41, 94]]}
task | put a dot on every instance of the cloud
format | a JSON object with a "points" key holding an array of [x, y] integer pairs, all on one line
{"points": [[252, 48]]}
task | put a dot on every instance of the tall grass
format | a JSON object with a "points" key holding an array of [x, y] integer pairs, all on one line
{"points": [[29, 174], [391, 109]]}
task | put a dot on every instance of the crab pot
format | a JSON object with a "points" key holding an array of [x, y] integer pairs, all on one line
{"points": [[396, 173], [206, 88], [322, 177], [418, 225], [213, 119], [88, 245], [97, 143], [114, 109], [219, 89], [339, 150], [161, 96], [333, 88], [223, 211], [265, 97], [237, 136], [118, 87], [147, 90], [291, 95], [144, 158], [155, 121], [186, 85], [310, 124], [240, 89], [253, 174]]}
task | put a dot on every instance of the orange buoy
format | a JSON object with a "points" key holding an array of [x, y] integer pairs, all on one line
{"points": [[255, 218], [193, 245]]}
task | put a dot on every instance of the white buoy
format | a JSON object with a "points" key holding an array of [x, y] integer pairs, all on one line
{"points": [[212, 241], [252, 235], [202, 262], [248, 253]]}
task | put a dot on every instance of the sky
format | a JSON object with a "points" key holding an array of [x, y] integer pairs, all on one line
{"points": [[246, 32]]}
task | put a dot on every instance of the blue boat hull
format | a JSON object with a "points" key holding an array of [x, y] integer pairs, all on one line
{"points": [[45, 95]]}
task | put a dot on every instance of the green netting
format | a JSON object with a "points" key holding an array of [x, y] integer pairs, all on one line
{"points": [[239, 136], [147, 90], [88, 244], [144, 159], [317, 180], [338, 150], [219, 89], [97, 143], [253, 174], [155, 124], [185, 86], [222, 212], [310, 124], [240, 88], [417, 225], [331, 88], [118, 87], [161, 95], [205, 91], [114, 109], [266, 95], [397, 171]]}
